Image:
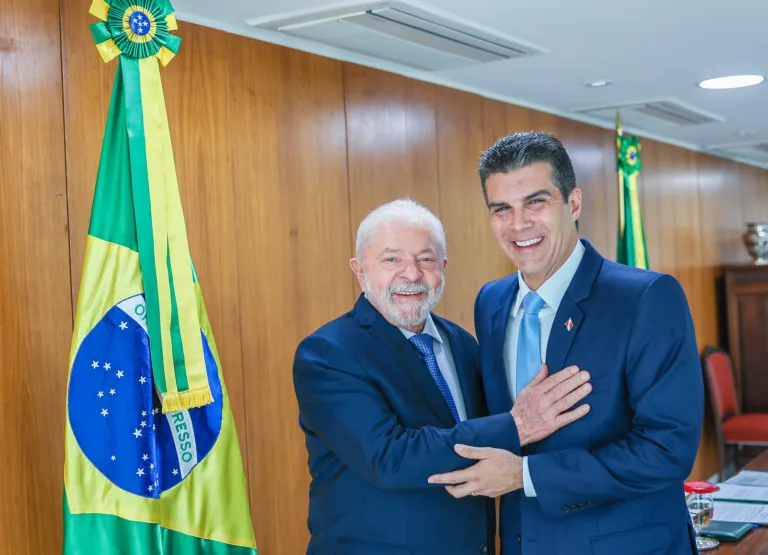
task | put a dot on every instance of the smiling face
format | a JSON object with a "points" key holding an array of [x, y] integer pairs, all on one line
{"points": [[532, 223], [401, 273]]}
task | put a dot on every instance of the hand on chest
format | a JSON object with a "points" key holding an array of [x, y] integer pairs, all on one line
{"points": [[587, 341]]}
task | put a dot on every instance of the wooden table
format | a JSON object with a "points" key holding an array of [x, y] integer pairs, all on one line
{"points": [[756, 541]]}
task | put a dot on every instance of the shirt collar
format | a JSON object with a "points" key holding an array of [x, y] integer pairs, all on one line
{"points": [[552, 290], [429, 328]]}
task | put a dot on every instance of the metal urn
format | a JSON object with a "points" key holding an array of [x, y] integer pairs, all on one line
{"points": [[756, 240]]}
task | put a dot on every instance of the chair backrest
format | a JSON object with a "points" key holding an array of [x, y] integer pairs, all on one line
{"points": [[719, 371]]}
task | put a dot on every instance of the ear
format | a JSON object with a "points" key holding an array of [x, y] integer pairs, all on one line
{"points": [[574, 203], [357, 269], [445, 263]]}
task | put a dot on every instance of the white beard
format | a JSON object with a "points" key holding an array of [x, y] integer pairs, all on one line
{"points": [[404, 315]]}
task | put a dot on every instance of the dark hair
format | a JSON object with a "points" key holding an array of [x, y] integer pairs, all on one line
{"points": [[523, 149]]}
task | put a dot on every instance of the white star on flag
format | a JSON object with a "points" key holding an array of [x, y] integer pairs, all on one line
{"points": [[143, 424], [175, 471], [157, 483], [95, 364], [153, 426], [100, 394], [104, 412], [152, 466], [119, 373], [140, 472], [113, 457], [142, 380], [143, 413], [150, 488], [137, 433], [107, 366], [145, 458], [155, 411], [123, 326], [111, 391], [135, 20]]}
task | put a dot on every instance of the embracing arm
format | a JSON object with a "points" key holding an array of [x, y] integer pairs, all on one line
{"points": [[341, 405]]}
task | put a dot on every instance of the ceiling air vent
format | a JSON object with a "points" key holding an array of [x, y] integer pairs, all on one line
{"points": [[640, 114], [754, 152], [674, 113], [400, 33]]}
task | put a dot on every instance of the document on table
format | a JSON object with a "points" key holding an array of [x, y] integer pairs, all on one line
{"points": [[752, 513], [734, 492], [750, 478]]}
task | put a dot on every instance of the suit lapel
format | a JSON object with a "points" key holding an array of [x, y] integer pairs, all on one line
{"points": [[499, 323], [569, 315], [562, 335], [561, 338], [464, 364], [407, 361]]}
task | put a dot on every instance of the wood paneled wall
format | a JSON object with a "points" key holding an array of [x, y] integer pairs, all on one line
{"points": [[280, 154], [35, 308]]}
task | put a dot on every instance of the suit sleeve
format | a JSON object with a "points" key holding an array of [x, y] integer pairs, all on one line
{"points": [[666, 394], [340, 404]]}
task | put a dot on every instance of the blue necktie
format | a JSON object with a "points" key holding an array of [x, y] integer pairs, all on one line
{"points": [[423, 344], [528, 342]]}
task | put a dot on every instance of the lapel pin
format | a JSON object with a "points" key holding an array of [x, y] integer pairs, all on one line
{"points": [[569, 324]]}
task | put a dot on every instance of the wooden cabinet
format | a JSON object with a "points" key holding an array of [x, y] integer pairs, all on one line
{"points": [[746, 305]]}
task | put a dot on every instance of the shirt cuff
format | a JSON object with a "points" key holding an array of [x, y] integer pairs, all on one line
{"points": [[527, 483]]}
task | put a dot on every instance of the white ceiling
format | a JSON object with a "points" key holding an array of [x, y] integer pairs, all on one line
{"points": [[647, 49]]}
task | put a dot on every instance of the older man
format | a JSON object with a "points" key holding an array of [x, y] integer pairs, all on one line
{"points": [[388, 390]]}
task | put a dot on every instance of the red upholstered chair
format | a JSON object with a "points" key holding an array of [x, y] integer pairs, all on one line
{"points": [[732, 428]]}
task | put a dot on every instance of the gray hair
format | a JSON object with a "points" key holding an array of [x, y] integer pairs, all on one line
{"points": [[404, 210]]}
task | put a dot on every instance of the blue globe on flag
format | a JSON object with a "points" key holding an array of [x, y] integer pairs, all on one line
{"points": [[115, 413]]}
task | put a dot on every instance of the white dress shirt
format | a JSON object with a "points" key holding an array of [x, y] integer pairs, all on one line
{"points": [[551, 291], [444, 362]]}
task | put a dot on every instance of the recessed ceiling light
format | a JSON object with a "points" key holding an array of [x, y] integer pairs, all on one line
{"points": [[744, 133], [599, 84], [732, 82]]}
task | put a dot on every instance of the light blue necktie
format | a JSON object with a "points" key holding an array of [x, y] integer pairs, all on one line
{"points": [[528, 342], [423, 344]]}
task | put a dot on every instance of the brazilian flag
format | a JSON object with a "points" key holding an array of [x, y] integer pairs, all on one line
{"points": [[631, 245], [152, 461]]}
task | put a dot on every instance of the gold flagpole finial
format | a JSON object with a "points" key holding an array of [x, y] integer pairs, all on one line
{"points": [[619, 130]]}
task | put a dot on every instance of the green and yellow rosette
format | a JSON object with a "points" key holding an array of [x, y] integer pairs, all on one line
{"points": [[137, 29], [629, 154], [137, 149]]}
